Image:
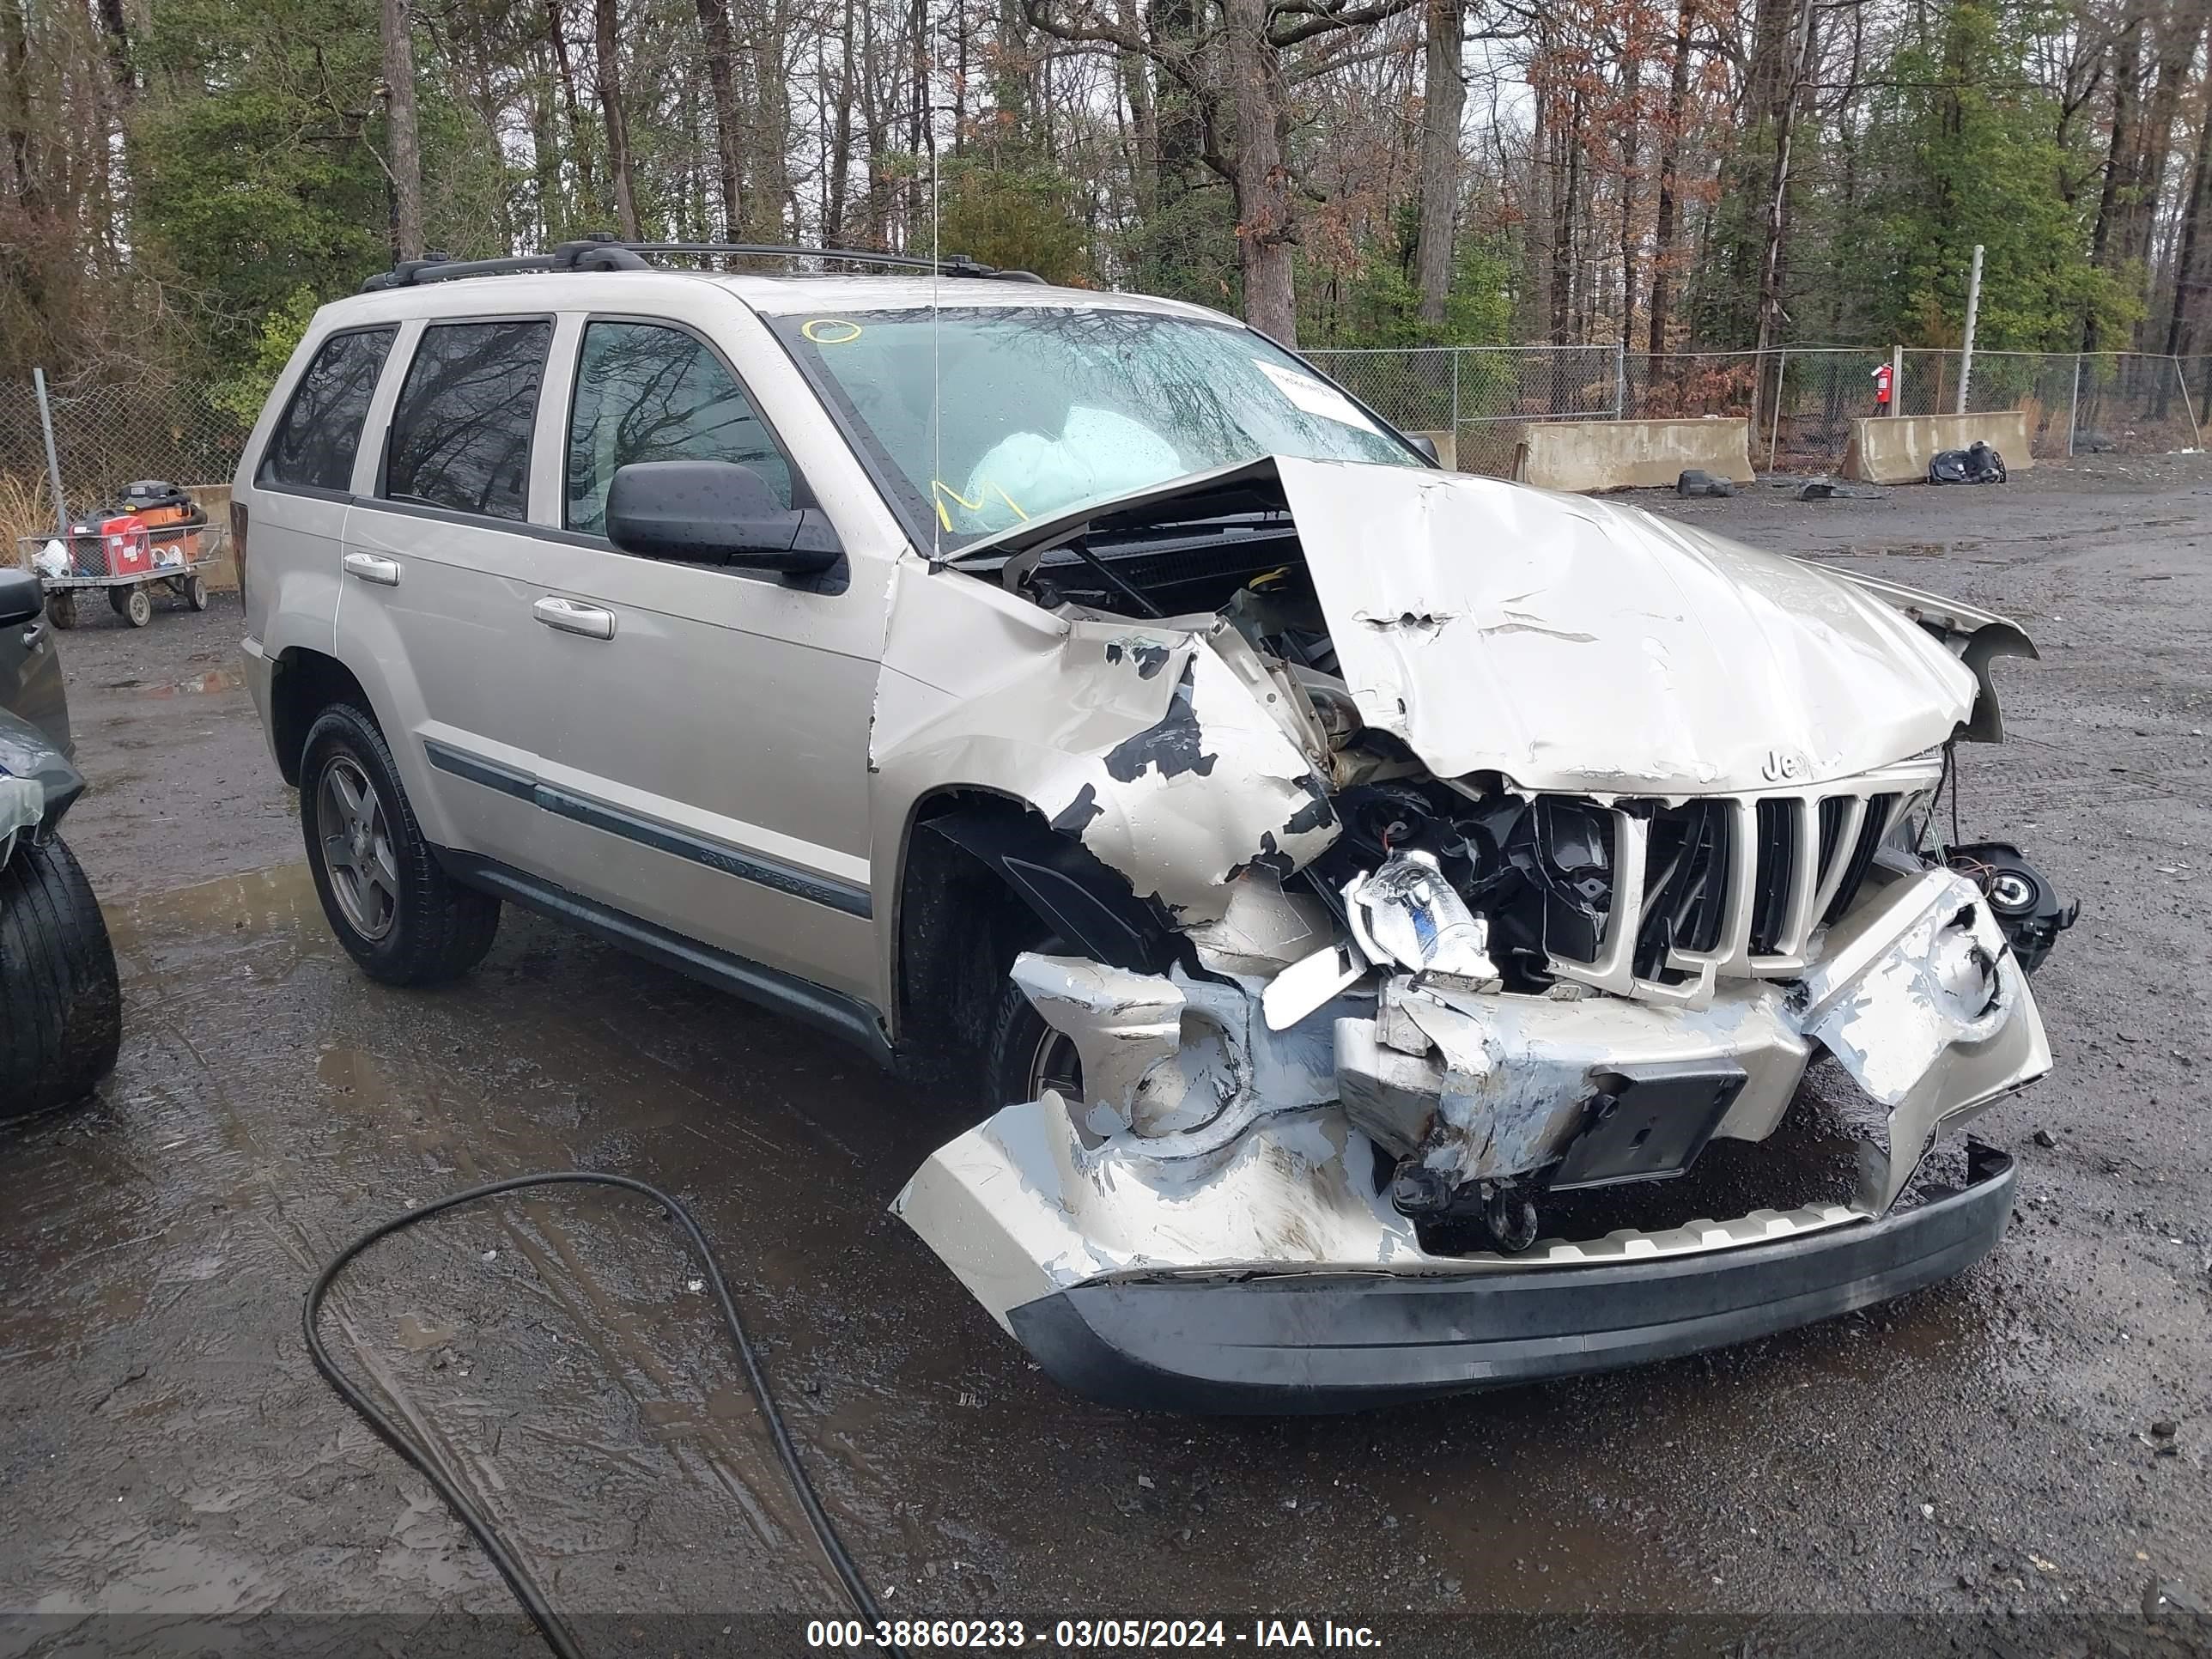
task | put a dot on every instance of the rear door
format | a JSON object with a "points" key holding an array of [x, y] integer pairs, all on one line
{"points": [[708, 767], [438, 579], [301, 487]]}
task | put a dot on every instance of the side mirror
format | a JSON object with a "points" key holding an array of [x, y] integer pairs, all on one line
{"points": [[1426, 445], [715, 513], [22, 598]]}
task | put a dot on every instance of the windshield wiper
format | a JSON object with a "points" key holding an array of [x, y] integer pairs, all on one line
{"points": [[1114, 579], [1224, 528]]}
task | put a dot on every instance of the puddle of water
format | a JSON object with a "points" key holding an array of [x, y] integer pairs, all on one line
{"points": [[279, 902], [415, 1334], [140, 1573]]}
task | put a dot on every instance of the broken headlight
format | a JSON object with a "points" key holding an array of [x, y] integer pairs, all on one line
{"points": [[1406, 913], [2021, 897]]}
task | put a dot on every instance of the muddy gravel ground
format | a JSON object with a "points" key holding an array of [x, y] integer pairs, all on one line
{"points": [[2027, 1441]]}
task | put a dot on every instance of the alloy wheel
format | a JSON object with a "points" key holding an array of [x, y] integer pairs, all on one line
{"points": [[364, 873], [1054, 1065]]}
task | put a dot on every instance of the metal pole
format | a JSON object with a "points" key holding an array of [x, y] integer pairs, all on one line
{"points": [[1896, 379], [2074, 407], [1620, 379], [1774, 423], [1974, 307], [53, 461], [2182, 380], [1455, 361]]}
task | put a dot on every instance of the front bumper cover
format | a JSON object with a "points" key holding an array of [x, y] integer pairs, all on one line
{"points": [[1339, 1341], [1147, 1254]]}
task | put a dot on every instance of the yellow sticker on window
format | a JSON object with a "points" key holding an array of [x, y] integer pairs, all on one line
{"points": [[825, 330]]}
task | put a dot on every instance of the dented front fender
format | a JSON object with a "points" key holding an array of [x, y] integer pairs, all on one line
{"points": [[1159, 746]]}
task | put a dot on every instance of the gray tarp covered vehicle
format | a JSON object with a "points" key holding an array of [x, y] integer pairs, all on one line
{"points": [[60, 1009]]}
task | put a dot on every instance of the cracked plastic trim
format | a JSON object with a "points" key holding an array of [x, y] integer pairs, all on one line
{"points": [[1918, 999]]}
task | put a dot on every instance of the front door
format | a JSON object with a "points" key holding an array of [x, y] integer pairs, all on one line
{"points": [[708, 768]]}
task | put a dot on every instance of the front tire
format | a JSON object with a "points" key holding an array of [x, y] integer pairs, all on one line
{"points": [[1022, 1056], [384, 894], [61, 1010]]}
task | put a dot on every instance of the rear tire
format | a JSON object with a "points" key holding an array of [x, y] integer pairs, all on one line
{"points": [[61, 609], [386, 897], [61, 1010], [196, 593], [137, 605]]}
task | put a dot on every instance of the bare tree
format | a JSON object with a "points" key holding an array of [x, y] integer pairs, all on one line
{"points": [[1670, 158], [1443, 101], [1798, 75], [715, 32], [404, 157], [1265, 233], [608, 68], [2181, 327]]}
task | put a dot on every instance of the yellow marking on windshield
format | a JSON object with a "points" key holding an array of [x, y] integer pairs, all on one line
{"points": [[810, 330], [938, 489]]}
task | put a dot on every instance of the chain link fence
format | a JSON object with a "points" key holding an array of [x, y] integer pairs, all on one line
{"points": [[1480, 397], [2077, 402], [1800, 400], [1473, 399], [107, 435]]}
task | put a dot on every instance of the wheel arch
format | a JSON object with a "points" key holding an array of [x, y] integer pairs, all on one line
{"points": [[303, 681], [983, 876]]}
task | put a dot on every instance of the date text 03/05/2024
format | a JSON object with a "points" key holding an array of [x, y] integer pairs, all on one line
{"points": [[1088, 1633]]}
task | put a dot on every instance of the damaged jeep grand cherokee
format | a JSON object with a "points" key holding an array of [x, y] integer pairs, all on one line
{"points": [[1384, 916]]}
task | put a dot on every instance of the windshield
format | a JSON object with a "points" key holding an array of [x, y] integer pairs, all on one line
{"points": [[1047, 408]]}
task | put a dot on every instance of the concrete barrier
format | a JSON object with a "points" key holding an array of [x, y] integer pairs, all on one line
{"points": [[1897, 448], [1594, 455], [1446, 445], [220, 573]]}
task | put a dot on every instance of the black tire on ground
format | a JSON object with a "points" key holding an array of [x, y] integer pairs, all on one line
{"points": [[61, 609], [1022, 1054], [118, 596], [61, 1012], [138, 609], [196, 593], [411, 923]]}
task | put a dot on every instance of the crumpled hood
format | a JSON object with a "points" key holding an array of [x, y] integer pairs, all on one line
{"points": [[1578, 646]]}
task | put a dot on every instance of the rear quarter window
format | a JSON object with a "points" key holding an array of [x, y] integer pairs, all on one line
{"points": [[314, 443]]}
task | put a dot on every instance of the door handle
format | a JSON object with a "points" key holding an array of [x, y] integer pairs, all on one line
{"points": [[573, 618], [32, 635], [384, 573]]}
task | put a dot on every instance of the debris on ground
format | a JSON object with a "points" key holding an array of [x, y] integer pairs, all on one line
{"points": [[2163, 1598], [1696, 480], [1976, 464]]}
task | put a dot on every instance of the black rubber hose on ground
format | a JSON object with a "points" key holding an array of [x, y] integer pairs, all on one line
{"points": [[557, 1635]]}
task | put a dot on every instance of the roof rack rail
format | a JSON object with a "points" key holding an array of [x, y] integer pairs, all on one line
{"points": [[602, 251]]}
